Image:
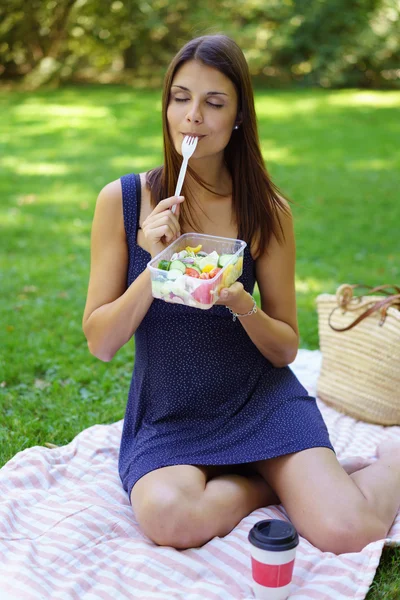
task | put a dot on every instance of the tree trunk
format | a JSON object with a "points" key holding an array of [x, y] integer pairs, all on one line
{"points": [[129, 57], [48, 68], [59, 28]]}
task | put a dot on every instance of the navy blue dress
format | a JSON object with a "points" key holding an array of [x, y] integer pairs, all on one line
{"points": [[201, 392]]}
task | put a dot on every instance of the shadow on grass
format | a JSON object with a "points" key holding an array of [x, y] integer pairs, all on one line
{"points": [[335, 153]]}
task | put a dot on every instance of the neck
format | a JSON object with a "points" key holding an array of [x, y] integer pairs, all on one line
{"points": [[214, 173]]}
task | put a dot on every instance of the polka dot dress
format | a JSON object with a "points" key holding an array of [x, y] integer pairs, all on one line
{"points": [[201, 392]]}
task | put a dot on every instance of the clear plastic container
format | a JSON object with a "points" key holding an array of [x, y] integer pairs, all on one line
{"points": [[193, 291]]}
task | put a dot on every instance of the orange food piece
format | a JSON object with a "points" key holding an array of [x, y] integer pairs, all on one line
{"points": [[192, 272]]}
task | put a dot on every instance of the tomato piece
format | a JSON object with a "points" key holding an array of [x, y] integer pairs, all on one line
{"points": [[214, 272], [192, 272]]}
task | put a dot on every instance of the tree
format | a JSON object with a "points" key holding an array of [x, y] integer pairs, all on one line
{"points": [[323, 42]]}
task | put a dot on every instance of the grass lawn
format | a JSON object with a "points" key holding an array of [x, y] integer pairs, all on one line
{"points": [[335, 153]]}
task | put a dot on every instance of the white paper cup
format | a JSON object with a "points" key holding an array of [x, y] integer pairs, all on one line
{"points": [[273, 546]]}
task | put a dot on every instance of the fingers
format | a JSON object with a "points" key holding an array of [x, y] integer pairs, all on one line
{"points": [[236, 288], [232, 291], [162, 214], [162, 225], [167, 204], [167, 220], [162, 232], [231, 295], [156, 229]]}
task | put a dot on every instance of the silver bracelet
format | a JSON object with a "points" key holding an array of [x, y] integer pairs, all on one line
{"points": [[251, 312]]}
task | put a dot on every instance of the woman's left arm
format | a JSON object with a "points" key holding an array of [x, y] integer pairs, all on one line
{"points": [[273, 329]]}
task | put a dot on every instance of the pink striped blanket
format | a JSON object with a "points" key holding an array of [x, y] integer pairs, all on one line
{"points": [[67, 530]]}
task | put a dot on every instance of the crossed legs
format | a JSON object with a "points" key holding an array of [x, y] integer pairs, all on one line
{"points": [[186, 506], [338, 509]]}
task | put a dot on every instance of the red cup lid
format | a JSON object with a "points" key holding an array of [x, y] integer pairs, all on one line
{"points": [[274, 535]]}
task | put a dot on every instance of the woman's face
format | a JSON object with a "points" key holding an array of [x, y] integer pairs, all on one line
{"points": [[203, 102]]}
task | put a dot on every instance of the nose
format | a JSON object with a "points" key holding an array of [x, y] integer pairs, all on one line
{"points": [[194, 114]]}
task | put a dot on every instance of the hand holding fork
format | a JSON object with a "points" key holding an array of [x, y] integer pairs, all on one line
{"points": [[161, 227]]}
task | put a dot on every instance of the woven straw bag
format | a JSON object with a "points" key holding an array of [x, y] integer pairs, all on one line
{"points": [[360, 344]]}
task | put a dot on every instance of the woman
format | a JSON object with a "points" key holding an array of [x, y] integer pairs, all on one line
{"points": [[216, 424]]}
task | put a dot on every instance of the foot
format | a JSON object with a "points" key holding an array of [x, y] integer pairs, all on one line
{"points": [[355, 463]]}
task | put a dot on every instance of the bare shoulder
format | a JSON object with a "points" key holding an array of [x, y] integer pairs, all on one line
{"points": [[108, 215], [110, 195], [109, 209], [284, 213]]}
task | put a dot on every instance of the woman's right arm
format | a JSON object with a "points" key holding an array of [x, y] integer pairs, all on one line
{"points": [[112, 312]]}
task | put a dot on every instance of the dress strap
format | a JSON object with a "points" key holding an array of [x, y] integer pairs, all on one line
{"points": [[131, 200]]}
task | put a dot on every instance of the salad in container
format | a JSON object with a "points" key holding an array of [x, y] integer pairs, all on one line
{"points": [[195, 268]]}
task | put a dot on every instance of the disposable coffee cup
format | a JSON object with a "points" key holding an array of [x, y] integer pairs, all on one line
{"points": [[273, 546]]}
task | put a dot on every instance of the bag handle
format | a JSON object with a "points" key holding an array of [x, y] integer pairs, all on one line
{"points": [[345, 295], [380, 305]]}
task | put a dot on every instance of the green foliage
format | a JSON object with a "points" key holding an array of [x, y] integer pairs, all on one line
{"points": [[330, 43], [343, 42]]}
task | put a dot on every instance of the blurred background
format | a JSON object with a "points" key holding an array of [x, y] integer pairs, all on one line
{"points": [[328, 43]]}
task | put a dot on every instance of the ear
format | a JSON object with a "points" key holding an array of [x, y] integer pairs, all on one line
{"points": [[239, 118]]}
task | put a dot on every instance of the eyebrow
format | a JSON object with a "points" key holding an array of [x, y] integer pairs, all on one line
{"points": [[208, 93]]}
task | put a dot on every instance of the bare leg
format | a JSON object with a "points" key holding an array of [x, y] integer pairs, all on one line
{"points": [[182, 506], [380, 482], [335, 511], [355, 463], [227, 499]]}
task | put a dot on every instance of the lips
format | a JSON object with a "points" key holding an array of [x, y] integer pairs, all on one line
{"points": [[198, 135]]}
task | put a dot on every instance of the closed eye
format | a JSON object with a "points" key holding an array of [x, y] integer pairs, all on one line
{"points": [[209, 103]]}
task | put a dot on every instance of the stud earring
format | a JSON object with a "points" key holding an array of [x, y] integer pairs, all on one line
{"points": [[236, 127]]}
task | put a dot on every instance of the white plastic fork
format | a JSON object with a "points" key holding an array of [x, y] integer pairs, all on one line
{"points": [[188, 147]]}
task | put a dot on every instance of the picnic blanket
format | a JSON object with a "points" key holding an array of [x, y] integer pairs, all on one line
{"points": [[67, 530]]}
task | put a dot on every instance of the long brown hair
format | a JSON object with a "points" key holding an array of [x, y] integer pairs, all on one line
{"points": [[256, 201]]}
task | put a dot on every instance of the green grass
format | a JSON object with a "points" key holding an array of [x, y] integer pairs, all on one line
{"points": [[335, 153]]}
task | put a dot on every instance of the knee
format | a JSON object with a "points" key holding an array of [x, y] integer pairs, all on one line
{"points": [[169, 519], [348, 533]]}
